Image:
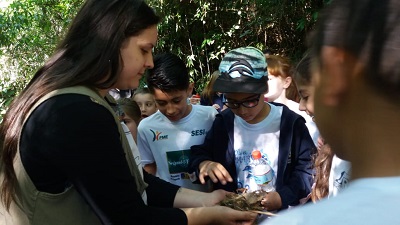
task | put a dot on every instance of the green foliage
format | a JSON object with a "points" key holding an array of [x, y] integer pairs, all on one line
{"points": [[31, 30], [199, 31]]}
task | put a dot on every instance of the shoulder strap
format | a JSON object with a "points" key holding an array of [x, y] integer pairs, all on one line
{"points": [[97, 98]]}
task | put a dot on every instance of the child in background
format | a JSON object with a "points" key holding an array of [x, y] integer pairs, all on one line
{"points": [[131, 115], [332, 174], [210, 97], [250, 124], [355, 68], [145, 100], [165, 138], [195, 99], [282, 89]]}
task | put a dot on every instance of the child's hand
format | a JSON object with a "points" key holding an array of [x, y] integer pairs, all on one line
{"points": [[215, 171], [216, 106], [272, 201]]}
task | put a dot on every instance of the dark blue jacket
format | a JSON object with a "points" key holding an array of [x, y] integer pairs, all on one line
{"points": [[217, 99], [294, 178]]}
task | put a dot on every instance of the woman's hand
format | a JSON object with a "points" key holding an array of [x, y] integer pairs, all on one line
{"points": [[225, 215], [219, 215], [215, 171], [214, 198], [186, 198], [207, 211]]}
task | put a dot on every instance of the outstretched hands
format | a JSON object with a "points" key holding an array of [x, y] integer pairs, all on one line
{"points": [[215, 171], [219, 215], [225, 215], [202, 208]]}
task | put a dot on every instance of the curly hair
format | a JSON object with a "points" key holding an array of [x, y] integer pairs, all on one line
{"points": [[322, 166]]}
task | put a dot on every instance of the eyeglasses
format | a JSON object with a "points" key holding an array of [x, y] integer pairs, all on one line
{"points": [[251, 103]]}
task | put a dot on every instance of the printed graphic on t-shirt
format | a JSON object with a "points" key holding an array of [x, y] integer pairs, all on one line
{"points": [[178, 163], [246, 177], [242, 161], [342, 181], [158, 135], [200, 132]]}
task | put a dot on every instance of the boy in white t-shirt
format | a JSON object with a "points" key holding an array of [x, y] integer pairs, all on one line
{"points": [[165, 138], [251, 124]]}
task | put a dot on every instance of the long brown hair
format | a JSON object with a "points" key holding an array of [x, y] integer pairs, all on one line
{"points": [[208, 92], [89, 55], [322, 166], [322, 159]]}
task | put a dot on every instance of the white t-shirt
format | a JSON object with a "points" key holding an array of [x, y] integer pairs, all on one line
{"points": [[168, 143], [135, 153], [263, 136], [368, 201], [312, 127], [339, 176]]}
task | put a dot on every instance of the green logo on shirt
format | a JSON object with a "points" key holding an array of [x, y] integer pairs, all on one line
{"points": [[178, 161]]}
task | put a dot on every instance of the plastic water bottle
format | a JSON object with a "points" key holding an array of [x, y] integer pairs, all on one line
{"points": [[262, 172]]}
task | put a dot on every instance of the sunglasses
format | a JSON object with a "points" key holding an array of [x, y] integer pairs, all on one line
{"points": [[251, 103]]}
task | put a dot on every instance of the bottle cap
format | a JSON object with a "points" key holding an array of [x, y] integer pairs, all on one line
{"points": [[256, 154]]}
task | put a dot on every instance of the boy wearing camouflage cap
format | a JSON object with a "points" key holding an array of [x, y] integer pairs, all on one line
{"points": [[251, 124]]}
